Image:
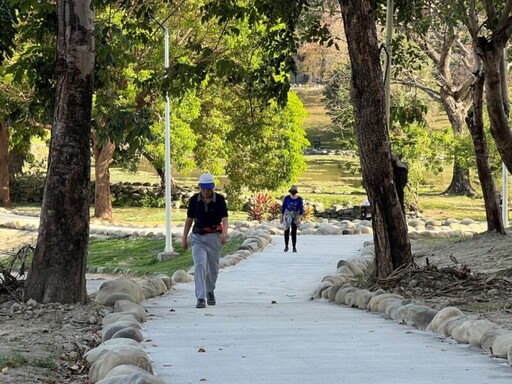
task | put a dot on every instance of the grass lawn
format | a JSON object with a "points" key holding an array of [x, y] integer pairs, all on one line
{"points": [[140, 255], [317, 124]]}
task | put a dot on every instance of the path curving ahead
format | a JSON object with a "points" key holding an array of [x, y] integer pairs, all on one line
{"points": [[266, 330]]}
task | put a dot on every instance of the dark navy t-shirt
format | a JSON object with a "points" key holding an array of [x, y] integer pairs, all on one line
{"points": [[206, 215]]}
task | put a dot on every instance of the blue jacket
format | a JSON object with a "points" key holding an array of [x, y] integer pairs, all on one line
{"points": [[293, 205]]}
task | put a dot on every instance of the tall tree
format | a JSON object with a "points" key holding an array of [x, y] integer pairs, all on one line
{"points": [[490, 45], [392, 244], [475, 122], [442, 44], [57, 273]]}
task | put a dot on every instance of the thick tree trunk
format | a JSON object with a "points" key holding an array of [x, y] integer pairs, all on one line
{"points": [[392, 244], [476, 127], [102, 201], [456, 110], [57, 273], [5, 193], [491, 52], [460, 184]]}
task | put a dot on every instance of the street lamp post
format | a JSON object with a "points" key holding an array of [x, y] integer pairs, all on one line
{"points": [[168, 252]]}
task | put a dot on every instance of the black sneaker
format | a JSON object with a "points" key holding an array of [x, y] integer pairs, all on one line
{"points": [[201, 303], [211, 298], [286, 248], [294, 249]]}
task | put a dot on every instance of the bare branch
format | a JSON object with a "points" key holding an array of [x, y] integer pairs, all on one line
{"points": [[432, 93], [39, 125]]}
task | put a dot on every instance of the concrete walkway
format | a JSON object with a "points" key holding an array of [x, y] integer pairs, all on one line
{"points": [[266, 330]]}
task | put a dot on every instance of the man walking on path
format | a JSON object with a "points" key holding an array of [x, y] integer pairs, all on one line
{"points": [[207, 210]]}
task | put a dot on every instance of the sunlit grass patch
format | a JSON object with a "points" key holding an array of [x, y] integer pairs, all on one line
{"points": [[140, 255]]}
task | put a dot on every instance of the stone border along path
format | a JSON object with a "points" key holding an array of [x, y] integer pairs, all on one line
{"points": [[448, 322], [121, 358]]}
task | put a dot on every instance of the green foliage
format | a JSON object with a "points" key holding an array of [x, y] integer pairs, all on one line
{"points": [[274, 24], [184, 111], [265, 151], [124, 110], [422, 164], [409, 108], [263, 207], [407, 56]]}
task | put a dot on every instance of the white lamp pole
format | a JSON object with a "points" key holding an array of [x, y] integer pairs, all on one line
{"points": [[168, 233], [168, 252]]}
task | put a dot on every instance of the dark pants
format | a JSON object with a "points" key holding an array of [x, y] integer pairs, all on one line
{"points": [[294, 235]]}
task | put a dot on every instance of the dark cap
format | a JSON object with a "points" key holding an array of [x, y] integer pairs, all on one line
{"points": [[293, 188]]}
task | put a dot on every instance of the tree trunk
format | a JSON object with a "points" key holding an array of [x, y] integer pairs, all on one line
{"points": [[57, 273], [491, 52], [392, 244], [5, 194], [160, 172], [102, 201], [460, 184], [456, 110], [476, 127]]}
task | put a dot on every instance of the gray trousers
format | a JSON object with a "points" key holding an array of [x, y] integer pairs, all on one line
{"points": [[206, 256]]}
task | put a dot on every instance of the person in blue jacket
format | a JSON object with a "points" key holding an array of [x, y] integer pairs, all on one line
{"points": [[292, 212]]}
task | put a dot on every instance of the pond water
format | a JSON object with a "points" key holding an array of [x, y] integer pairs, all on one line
{"points": [[323, 172], [330, 173]]}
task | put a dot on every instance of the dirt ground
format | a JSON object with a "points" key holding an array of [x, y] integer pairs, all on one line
{"points": [[473, 274], [45, 343]]}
